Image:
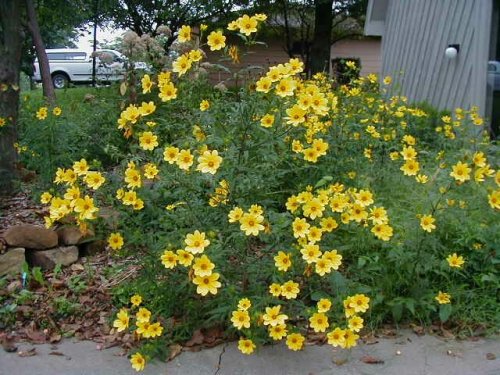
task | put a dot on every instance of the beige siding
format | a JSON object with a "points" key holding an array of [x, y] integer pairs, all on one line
{"points": [[368, 51], [416, 35]]}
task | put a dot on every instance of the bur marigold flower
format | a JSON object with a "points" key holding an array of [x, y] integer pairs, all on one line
{"points": [[336, 337], [203, 266], [196, 242], [427, 223], [154, 330], [184, 159], [45, 197], [146, 84], [283, 261], [355, 323], [147, 108], [204, 105], [382, 231], [296, 115], [148, 141], [169, 259], [290, 290], [272, 316], [324, 305], [319, 322], [264, 84], [422, 178], [115, 241], [232, 26], [150, 170], [295, 341], [216, 40], [251, 224], [207, 284], [285, 87], [410, 168], [184, 34], [313, 209], [328, 224], [195, 55], [80, 167], [57, 111], [182, 64], [209, 162], [350, 339], [311, 253], [494, 199], [85, 207], [170, 154], [443, 298], [167, 92], [138, 362], [275, 289], [460, 172], [277, 332], [184, 257], [240, 319], [359, 302], [364, 198], [143, 315], [409, 153], [267, 121], [244, 304], [247, 25], [136, 300], [455, 261], [246, 346], [235, 215], [122, 320], [42, 113]]}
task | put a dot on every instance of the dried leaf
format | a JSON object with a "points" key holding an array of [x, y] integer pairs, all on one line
{"points": [[55, 337], [27, 353], [56, 353], [8, 344], [491, 356], [196, 339], [371, 360], [175, 350]]}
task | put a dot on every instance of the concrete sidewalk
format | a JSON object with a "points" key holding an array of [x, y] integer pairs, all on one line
{"points": [[408, 354]]}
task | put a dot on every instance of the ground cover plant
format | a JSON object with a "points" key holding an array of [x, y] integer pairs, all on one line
{"points": [[289, 206]]}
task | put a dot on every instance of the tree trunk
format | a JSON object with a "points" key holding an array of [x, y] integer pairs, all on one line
{"points": [[320, 49], [11, 41], [48, 86]]}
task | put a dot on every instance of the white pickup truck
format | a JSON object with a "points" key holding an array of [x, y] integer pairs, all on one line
{"points": [[74, 65]]}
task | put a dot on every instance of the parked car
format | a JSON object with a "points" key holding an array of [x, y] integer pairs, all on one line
{"points": [[494, 75], [75, 66]]}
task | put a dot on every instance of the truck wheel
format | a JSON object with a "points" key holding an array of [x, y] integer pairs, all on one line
{"points": [[60, 80]]}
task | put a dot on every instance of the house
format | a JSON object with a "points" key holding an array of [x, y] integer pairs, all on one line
{"points": [[438, 51], [367, 50]]}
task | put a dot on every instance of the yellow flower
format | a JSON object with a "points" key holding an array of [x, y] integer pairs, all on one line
{"points": [[244, 304], [264, 84], [383, 232], [267, 121], [170, 154], [427, 223], [195, 55], [150, 170], [42, 113], [319, 322], [154, 330], [295, 341], [138, 362], [133, 178], [235, 215], [115, 241], [203, 27], [311, 253], [359, 302], [184, 34], [146, 84], [461, 172], [272, 317], [45, 197], [181, 65], [387, 80], [455, 261], [350, 339], [246, 346], [169, 259], [290, 290], [240, 319], [147, 108], [283, 261], [148, 141], [143, 315], [184, 257], [275, 289], [57, 111], [85, 207], [204, 105], [136, 300], [207, 284], [247, 25], [80, 167], [277, 332], [216, 40], [494, 199], [328, 224], [336, 337], [196, 242], [167, 92], [122, 320], [285, 87], [296, 115], [443, 298], [209, 162], [409, 153], [355, 323], [251, 224], [410, 168], [203, 266], [334, 258], [2, 122], [184, 159], [324, 305]]}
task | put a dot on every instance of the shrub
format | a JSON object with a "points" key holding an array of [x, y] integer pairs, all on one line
{"points": [[287, 207]]}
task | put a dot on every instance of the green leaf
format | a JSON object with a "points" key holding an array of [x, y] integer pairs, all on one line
{"points": [[444, 312], [323, 181]]}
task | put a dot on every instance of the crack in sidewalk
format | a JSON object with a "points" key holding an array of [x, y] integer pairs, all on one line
{"points": [[220, 359]]}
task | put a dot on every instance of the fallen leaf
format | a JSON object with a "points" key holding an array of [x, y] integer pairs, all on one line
{"points": [[35, 336], [418, 330], [491, 356], [77, 267], [55, 337], [371, 360], [8, 344], [175, 350], [56, 353], [196, 339], [27, 353]]}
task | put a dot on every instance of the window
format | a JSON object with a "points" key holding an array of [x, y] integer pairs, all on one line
{"points": [[66, 56]]}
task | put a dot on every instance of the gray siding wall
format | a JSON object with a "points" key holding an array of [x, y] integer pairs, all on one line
{"points": [[417, 33]]}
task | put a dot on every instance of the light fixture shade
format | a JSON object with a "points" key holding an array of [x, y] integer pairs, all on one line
{"points": [[452, 51]]}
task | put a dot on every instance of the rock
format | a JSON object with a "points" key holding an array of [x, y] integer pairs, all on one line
{"points": [[47, 259], [12, 261], [92, 248], [30, 236], [69, 235]]}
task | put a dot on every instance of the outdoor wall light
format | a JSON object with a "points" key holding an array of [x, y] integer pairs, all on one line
{"points": [[452, 51]]}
